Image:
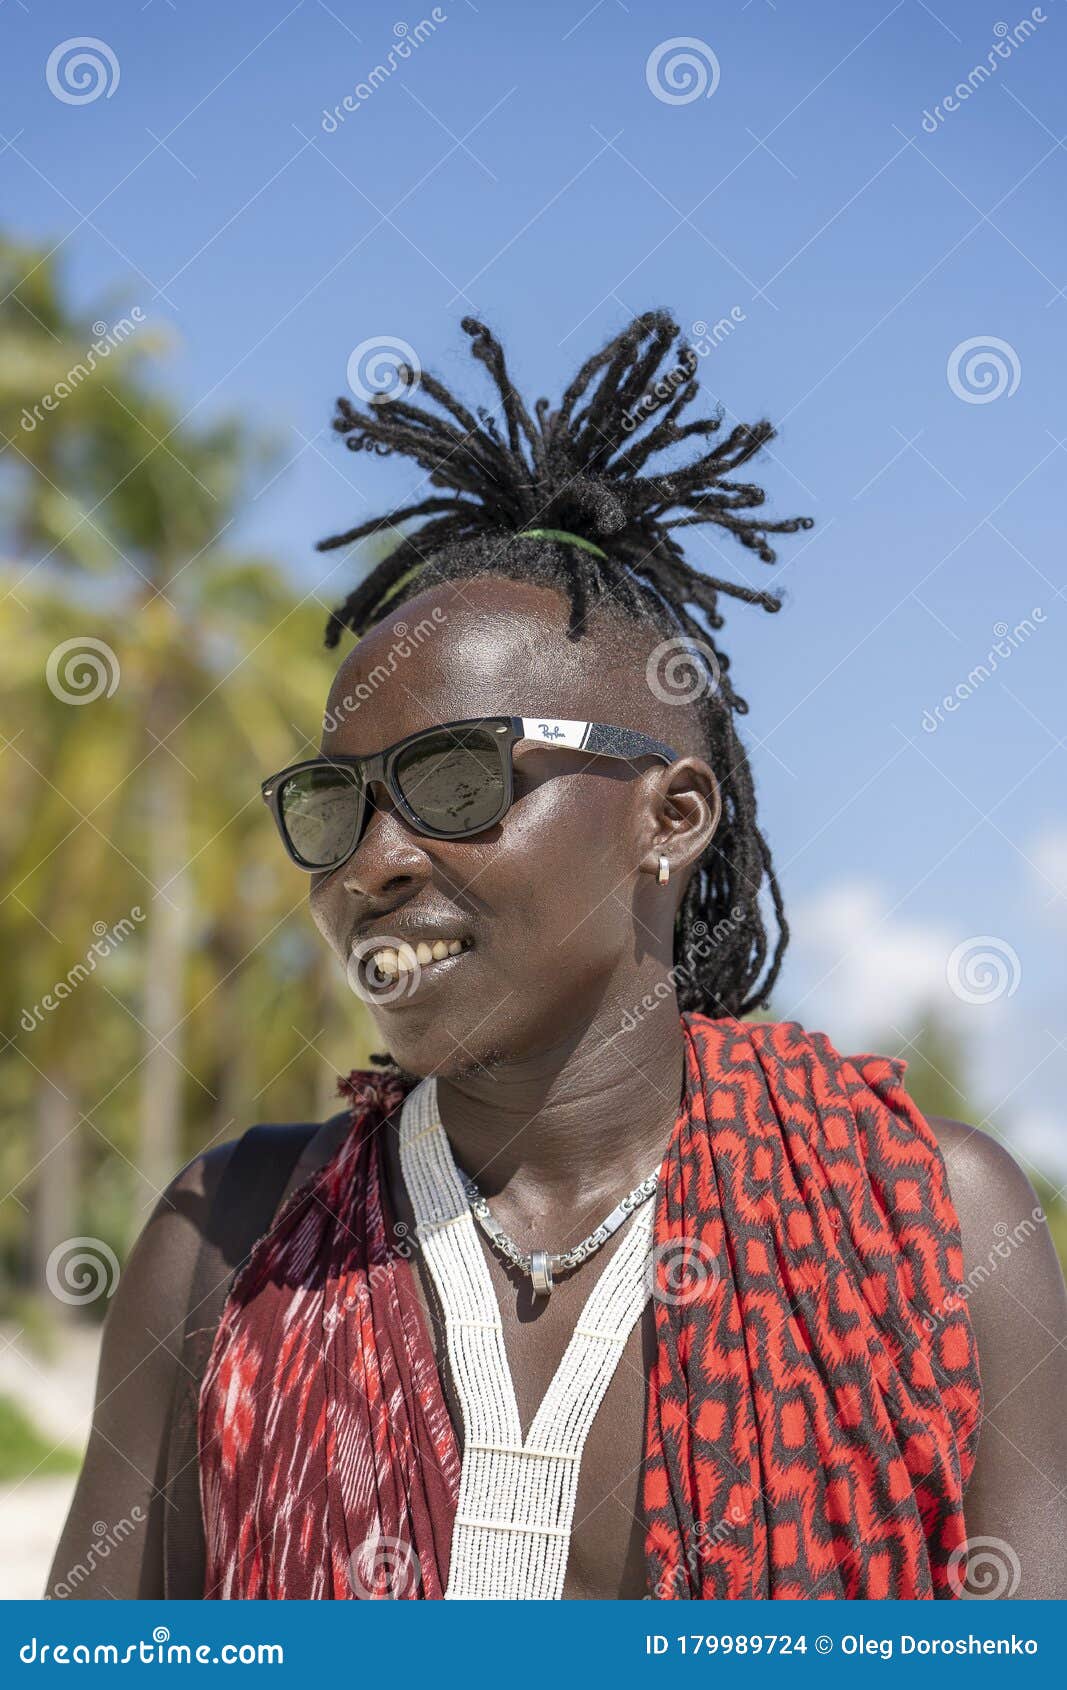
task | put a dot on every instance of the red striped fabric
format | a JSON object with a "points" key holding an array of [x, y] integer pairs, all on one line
{"points": [[814, 1404]]}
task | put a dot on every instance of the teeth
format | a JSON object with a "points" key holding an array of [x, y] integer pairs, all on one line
{"points": [[405, 958]]}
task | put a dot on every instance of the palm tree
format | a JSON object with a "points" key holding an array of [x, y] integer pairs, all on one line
{"points": [[140, 791]]}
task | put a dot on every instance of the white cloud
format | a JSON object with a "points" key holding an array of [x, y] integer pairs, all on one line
{"points": [[865, 974], [1048, 854], [856, 970], [1037, 1133]]}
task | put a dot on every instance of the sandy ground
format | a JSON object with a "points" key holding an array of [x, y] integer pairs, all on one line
{"points": [[57, 1396], [32, 1514]]}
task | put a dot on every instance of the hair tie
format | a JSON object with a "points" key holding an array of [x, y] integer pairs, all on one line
{"points": [[561, 534]]}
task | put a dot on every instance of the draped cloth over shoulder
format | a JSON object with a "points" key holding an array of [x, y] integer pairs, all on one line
{"points": [[813, 1406]]}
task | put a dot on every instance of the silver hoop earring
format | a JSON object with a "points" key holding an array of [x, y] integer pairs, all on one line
{"points": [[664, 871]]}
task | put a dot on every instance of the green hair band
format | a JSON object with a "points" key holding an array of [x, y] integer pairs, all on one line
{"points": [[561, 534]]}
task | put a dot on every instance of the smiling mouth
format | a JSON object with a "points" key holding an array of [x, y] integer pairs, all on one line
{"points": [[393, 962], [389, 974]]}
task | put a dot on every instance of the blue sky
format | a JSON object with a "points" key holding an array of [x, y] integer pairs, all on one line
{"points": [[518, 165]]}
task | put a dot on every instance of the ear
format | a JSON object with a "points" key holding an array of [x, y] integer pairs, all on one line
{"points": [[684, 809]]}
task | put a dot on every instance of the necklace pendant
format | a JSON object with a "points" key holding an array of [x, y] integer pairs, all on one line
{"points": [[541, 1273]]}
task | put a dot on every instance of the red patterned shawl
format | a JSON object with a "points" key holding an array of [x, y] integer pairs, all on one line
{"points": [[813, 1407]]}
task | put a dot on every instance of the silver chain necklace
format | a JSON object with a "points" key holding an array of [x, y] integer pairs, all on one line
{"points": [[540, 1265]]}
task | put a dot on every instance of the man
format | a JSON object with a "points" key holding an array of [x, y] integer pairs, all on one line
{"points": [[532, 843]]}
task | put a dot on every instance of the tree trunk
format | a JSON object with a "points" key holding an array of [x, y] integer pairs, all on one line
{"points": [[166, 947], [55, 1188], [234, 1069], [323, 991]]}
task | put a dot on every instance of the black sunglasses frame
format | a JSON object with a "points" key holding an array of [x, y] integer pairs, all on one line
{"points": [[597, 738]]}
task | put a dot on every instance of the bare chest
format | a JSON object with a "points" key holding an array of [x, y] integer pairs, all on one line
{"points": [[606, 1558], [607, 1548]]}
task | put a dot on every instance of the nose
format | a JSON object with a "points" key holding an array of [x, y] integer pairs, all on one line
{"points": [[389, 862]]}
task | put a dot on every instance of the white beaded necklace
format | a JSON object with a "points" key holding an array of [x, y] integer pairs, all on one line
{"points": [[516, 1501]]}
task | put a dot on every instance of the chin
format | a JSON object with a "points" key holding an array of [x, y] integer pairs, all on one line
{"points": [[434, 1049]]}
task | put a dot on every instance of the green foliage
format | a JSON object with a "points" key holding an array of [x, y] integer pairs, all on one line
{"points": [[936, 1080], [935, 1077], [162, 985], [23, 1451]]}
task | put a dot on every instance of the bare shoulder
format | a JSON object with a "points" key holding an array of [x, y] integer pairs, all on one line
{"points": [[1005, 1236], [124, 1467], [1017, 1303], [983, 1172], [122, 1477]]}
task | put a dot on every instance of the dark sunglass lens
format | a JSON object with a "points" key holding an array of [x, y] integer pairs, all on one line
{"points": [[321, 808], [454, 780]]}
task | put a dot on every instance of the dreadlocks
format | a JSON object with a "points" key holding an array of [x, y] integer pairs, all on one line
{"points": [[578, 469]]}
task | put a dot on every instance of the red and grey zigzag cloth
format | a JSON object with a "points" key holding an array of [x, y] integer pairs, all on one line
{"points": [[813, 1409]]}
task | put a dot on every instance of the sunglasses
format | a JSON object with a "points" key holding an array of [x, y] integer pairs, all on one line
{"points": [[448, 782]]}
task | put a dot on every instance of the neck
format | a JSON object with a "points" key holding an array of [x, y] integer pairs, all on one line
{"points": [[577, 1124]]}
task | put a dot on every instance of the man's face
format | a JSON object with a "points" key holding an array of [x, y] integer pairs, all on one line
{"points": [[558, 925]]}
